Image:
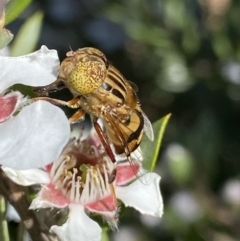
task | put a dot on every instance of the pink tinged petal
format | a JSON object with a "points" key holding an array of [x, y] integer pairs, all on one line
{"points": [[8, 104], [49, 197], [26, 177], [35, 137], [106, 204], [144, 198], [36, 69], [126, 172], [48, 167], [78, 226]]}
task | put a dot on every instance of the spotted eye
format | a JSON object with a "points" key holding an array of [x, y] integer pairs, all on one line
{"points": [[87, 77]]}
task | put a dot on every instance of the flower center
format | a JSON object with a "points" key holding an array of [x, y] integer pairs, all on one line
{"points": [[82, 173]]}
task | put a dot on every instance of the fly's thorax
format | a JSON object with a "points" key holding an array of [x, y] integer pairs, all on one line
{"points": [[92, 104], [115, 97], [101, 102]]}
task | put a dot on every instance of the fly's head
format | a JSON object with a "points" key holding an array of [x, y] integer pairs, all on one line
{"points": [[84, 70]]}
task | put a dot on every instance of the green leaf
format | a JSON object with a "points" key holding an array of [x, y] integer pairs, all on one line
{"points": [[27, 37], [5, 37], [151, 149], [14, 8], [4, 235]]}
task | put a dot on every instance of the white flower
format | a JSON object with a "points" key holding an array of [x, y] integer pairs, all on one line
{"points": [[79, 179], [40, 131], [186, 206], [231, 192]]}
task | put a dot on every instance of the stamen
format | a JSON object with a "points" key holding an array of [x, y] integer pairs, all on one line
{"points": [[72, 190], [84, 185], [86, 189], [56, 163], [101, 181], [65, 180], [77, 196], [106, 178], [58, 171], [92, 194]]}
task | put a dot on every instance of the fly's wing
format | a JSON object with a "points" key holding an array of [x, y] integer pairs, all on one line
{"points": [[148, 127], [133, 85], [133, 157]]}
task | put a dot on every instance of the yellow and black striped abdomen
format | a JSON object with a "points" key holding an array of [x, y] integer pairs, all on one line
{"points": [[125, 136], [119, 91]]}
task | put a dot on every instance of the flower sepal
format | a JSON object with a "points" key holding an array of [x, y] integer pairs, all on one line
{"points": [[9, 104]]}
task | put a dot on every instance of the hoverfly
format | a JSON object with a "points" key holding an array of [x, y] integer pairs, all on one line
{"points": [[101, 91]]}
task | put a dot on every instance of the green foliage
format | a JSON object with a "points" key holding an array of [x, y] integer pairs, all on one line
{"points": [[15, 8], [27, 37], [151, 149], [4, 235], [181, 167]]}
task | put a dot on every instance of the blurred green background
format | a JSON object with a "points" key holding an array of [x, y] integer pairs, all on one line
{"points": [[184, 55]]}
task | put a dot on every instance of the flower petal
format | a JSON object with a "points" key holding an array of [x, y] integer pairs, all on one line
{"points": [[35, 137], [78, 226], [49, 197], [126, 172], [9, 104], [106, 205], [26, 177], [144, 198], [36, 69]]}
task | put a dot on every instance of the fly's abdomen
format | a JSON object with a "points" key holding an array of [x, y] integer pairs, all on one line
{"points": [[126, 136]]}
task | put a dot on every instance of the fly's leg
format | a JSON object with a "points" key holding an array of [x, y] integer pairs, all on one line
{"points": [[74, 103], [77, 116], [104, 141], [45, 90], [108, 150]]}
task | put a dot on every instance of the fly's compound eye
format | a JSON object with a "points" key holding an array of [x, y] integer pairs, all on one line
{"points": [[87, 76]]}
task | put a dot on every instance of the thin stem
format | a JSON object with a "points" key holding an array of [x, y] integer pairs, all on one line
{"points": [[16, 195], [4, 235], [21, 231]]}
